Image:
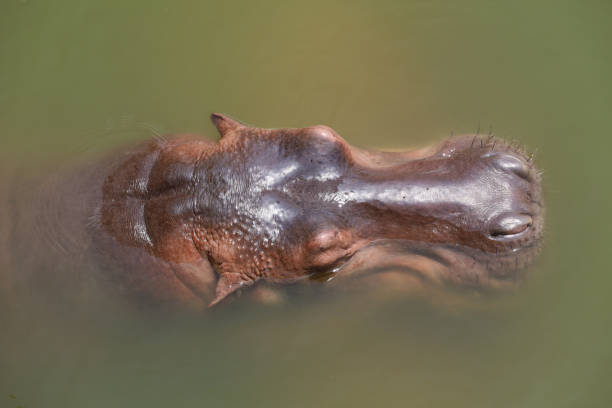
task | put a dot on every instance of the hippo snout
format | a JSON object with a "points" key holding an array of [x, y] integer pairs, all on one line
{"points": [[523, 221]]}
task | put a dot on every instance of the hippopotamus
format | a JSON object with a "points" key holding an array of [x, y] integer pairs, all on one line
{"points": [[186, 220]]}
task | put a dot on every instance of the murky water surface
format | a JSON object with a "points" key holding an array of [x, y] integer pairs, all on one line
{"points": [[80, 78]]}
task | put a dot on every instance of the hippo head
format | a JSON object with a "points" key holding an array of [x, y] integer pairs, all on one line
{"points": [[287, 204]]}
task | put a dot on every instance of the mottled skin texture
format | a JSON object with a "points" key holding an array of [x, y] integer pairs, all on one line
{"points": [[192, 221]]}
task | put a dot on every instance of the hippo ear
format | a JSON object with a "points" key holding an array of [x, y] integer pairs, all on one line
{"points": [[224, 123], [228, 282]]}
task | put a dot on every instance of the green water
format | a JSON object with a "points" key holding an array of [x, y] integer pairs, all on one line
{"points": [[384, 74]]}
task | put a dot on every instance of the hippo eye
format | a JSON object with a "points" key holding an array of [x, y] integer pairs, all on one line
{"points": [[323, 133], [326, 264], [513, 224], [327, 248], [325, 142]]}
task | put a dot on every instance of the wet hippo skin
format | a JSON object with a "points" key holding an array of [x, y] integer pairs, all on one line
{"points": [[191, 221]]}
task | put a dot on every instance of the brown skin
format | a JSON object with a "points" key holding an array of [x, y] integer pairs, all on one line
{"points": [[191, 221]]}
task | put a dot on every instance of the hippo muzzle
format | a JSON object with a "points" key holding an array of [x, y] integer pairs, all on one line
{"points": [[283, 205]]}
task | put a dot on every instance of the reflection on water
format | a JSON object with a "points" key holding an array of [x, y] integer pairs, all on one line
{"points": [[389, 75]]}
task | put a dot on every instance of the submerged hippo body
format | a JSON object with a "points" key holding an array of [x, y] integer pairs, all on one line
{"points": [[191, 221]]}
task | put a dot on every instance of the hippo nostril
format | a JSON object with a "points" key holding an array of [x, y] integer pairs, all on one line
{"points": [[510, 163], [510, 225]]}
